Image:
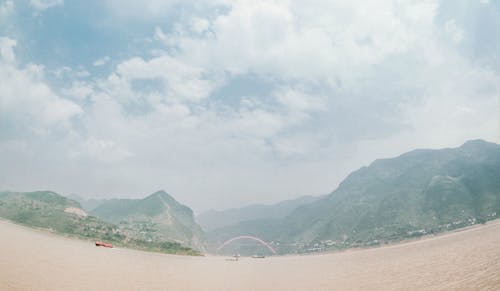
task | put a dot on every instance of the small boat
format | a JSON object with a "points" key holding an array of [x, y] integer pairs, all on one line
{"points": [[103, 244]]}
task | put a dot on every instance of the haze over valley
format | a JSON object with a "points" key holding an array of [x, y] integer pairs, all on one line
{"points": [[419, 193]]}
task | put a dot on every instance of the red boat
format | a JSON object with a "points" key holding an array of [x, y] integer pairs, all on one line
{"points": [[103, 244]]}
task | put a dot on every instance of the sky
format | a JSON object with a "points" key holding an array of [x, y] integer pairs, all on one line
{"points": [[228, 103]]}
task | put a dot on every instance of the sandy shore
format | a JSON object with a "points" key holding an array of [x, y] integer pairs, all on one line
{"points": [[465, 260]]}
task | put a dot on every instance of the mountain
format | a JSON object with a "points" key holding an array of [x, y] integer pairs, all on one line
{"points": [[260, 219], [158, 217], [213, 219], [420, 192], [87, 204], [51, 211], [423, 191]]}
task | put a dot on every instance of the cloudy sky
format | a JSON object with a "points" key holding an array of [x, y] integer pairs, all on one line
{"points": [[226, 103]]}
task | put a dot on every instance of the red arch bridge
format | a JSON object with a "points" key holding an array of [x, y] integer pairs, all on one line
{"points": [[262, 242]]}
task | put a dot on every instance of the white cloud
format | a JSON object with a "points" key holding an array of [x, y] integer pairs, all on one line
{"points": [[7, 49], [456, 34], [27, 102], [319, 40], [106, 151], [159, 34], [44, 4], [199, 25], [300, 101], [78, 90], [101, 61], [181, 81]]}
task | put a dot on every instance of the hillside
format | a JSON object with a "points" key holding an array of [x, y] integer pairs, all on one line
{"points": [[420, 192], [87, 204], [158, 217], [214, 219], [46, 209], [51, 211], [417, 193], [260, 219]]}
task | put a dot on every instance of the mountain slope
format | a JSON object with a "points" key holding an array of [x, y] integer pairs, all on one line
{"points": [[214, 219], [46, 209], [158, 217], [419, 192], [257, 220], [87, 204]]}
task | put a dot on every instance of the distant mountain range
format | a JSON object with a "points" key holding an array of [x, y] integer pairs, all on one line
{"points": [[420, 192], [214, 219], [417, 193]]}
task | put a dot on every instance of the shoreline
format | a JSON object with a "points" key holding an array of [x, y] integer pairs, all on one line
{"points": [[395, 244]]}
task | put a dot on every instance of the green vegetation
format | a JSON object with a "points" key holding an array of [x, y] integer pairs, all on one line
{"points": [[421, 192], [51, 211], [418, 193], [158, 217]]}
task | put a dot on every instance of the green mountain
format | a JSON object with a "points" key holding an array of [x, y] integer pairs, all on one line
{"points": [[423, 191], [51, 211], [420, 192], [158, 217], [261, 220], [46, 209], [213, 219]]}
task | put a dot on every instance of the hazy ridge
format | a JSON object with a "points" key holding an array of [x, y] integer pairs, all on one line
{"points": [[420, 192], [54, 212], [214, 219], [417, 193]]}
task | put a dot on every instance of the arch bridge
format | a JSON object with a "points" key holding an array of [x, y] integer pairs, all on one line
{"points": [[261, 241]]}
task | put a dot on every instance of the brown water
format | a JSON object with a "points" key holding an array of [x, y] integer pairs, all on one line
{"points": [[465, 260]]}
